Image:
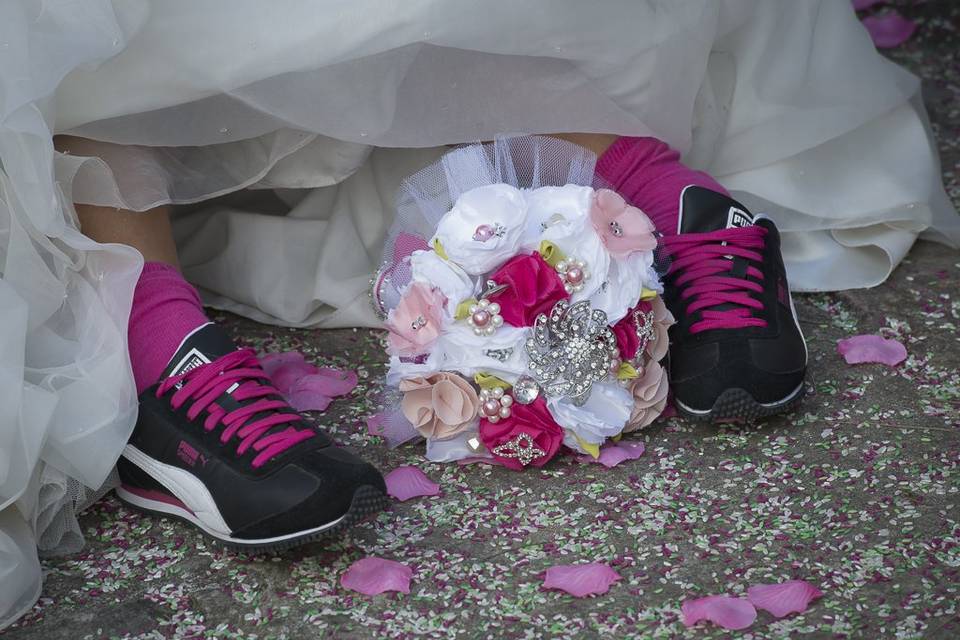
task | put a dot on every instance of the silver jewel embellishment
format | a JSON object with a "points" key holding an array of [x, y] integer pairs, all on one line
{"points": [[499, 354], [645, 333], [522, 447], [571, 349], [495, 404], [492, 289], [552, 220], [378, 285], [615, 228], [485, 317], [574, 274], [486, 232], [418, 323], [526, 390]]}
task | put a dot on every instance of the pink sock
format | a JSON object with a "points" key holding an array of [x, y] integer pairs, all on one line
{"points": [[166, 308], [650, 176]]}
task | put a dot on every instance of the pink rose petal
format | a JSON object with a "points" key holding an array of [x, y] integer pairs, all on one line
{"points": [[869, 348], [614, 453], [861, 5], [285, 369], [328, 381], [371, 576], [408, 482], [725, 611], [784, 598], [375, 424], [889, 30], [581, 579]]}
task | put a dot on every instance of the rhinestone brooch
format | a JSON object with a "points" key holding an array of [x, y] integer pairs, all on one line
{"points": [[522, 447], [571, 349]]}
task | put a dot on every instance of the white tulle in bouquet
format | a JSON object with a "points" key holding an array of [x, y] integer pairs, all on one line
{"points": [[523, 307]]}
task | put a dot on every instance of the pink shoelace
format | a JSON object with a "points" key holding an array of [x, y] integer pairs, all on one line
{"points": [[701, 268], [240, 369]]}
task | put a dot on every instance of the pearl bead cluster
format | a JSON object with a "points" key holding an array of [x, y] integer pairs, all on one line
{"points": [[574, 274], [495, 404], [485, 318]]}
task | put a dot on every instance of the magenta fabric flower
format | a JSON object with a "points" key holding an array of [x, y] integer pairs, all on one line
{"points": [[528, 425], [622, 227], [533, 287], [414, 324], [626, 331]]}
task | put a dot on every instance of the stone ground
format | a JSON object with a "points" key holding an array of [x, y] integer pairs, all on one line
{"points": [[856, 492]]}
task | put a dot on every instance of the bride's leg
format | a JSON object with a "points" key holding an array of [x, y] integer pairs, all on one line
{"points": [[234, 459]]}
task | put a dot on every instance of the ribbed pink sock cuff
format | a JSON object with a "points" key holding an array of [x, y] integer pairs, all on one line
{"points": [[166, 308], [649, 174]]}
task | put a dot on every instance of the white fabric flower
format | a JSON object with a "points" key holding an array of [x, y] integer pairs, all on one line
{"points": [[498, 210], [562, 216], [452, 281], [460, 349], [455, 448], [603, 416], [549, 205], [624, 284]]}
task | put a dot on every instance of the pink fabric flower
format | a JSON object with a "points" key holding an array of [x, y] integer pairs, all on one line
{"points": [[626, 331], [649, 396], [415, 323], [622, 227], [533, 287], [439, 406], [532, 419]]}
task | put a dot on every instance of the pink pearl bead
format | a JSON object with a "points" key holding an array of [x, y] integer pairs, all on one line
{"points": [[491, 408], [575, 275], [483, 233], [481, 318]]}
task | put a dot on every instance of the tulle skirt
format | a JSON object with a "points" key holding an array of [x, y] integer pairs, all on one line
{"points": [[284, 128]]}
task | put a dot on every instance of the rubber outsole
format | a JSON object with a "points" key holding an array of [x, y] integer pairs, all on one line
{"points": [[737, 405], [366, 501]]}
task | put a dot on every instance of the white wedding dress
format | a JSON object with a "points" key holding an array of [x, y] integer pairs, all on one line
{"points": [[316, 109]]}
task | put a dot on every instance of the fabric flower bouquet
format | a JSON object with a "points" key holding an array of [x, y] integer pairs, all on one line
{"points": [[522, 305]]}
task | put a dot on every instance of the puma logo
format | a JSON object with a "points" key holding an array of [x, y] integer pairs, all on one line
{"points": [[190, 455]]}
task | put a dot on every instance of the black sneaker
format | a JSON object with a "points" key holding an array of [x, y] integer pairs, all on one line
{"points": [[217, 446], [736, 351]]}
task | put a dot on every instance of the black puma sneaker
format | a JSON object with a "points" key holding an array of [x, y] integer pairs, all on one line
{"points": [[215, 445], [736, 351]]}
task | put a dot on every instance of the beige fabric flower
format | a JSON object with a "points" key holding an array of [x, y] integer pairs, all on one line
{"points": [[439, 406], [662, 321], [649, 396]]}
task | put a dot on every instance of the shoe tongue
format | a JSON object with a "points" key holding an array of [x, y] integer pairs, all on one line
{"points": [[204, 345], [703, 211]]}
